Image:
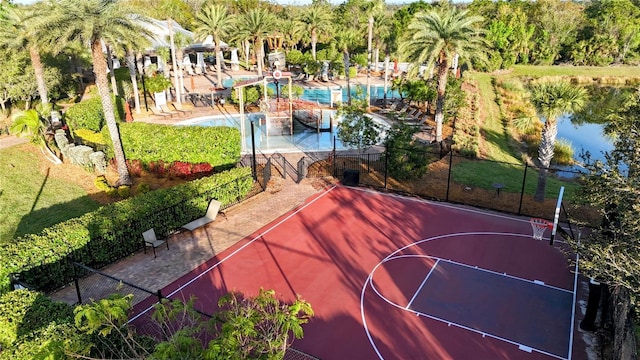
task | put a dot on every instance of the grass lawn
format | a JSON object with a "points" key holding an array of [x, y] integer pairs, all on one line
{"points": [[590, 71], [31, 199]]}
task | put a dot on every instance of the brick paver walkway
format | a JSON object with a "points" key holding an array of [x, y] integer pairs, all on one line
{"points": [[188, 250]]}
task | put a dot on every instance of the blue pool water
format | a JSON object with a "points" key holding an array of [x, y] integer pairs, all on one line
{"points": [[303, 139], [323, 95]]}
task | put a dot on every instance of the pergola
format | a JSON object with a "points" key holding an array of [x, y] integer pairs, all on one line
{"points": [[283, 113]]}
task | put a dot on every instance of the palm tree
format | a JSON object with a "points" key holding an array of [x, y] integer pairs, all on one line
{"points": [[256, 25], [436, 37], [317, 20], [89, 22], [214, 20], [346, 40], [21, 28], [31, 124], [551, 100]]}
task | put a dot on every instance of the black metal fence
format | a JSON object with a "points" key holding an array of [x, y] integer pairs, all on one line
{"points": [[503, 186]]}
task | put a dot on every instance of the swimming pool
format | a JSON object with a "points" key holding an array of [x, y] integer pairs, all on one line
{"points": [[323, 95], [302, 140]]}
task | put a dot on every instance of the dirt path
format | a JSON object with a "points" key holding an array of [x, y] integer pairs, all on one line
{"points": [[9, 141]]}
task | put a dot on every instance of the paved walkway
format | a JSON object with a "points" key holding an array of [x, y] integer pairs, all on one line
{"points": [[188, 250]]}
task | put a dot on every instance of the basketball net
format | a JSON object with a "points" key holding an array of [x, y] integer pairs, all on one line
{"points": [[539, 226]]}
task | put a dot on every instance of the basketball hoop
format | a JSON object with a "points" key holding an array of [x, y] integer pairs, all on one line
{"points": [[539, 226], [277, 74]]}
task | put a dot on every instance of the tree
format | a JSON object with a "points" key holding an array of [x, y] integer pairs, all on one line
{"points": [[346, 40], [356, 128], [90, 21], [256, 25], [260, 327], [610, 252], [437, 36], [21, 28], [406, 159], [214, 20], [31, 124], [551, 100], [317, 21]]}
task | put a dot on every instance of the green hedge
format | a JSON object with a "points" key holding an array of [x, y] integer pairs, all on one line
{"points": [[26, 316], [218, 146], [114, 231], [89, 114]]}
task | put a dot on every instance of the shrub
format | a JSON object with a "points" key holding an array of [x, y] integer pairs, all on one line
{"points": [[143, 188], [87, 136], [151, 143], [101, 183], [563, 152], [23, 312], [113, 231], [124, 191], [89, 114]]}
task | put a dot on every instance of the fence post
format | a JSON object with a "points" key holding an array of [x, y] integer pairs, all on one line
{"points": [[524, 181], [253, 149], [449, 174], [386, 163]]}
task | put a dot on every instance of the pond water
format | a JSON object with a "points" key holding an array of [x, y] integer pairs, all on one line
{"points": [[585, 137]]}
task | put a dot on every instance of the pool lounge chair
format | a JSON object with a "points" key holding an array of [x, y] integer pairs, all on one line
{"points": [[158, 112], [166, 110], [180, 109]]}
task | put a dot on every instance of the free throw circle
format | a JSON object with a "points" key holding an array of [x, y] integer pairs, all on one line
{"points": [[277, 74]]}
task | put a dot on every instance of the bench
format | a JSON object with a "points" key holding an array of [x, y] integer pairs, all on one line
{"points": [[211, 214]]}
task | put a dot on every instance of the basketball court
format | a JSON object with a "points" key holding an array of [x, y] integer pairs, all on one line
{"points": [[393, 277]]}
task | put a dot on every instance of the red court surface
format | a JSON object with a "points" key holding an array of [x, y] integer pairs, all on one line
{"points": [[392, 277]]}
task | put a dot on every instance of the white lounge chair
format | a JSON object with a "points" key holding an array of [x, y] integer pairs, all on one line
{"points": [[151, 240], [165, 109], [212, 213]]}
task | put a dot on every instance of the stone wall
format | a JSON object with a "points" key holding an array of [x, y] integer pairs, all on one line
{"points": [[81, 154]]}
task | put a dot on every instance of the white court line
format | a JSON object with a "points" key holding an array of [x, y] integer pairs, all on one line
{"points": [[438, 259], [449, 323], [423, 282], [369, 281], [573, 309], [235, 252]]}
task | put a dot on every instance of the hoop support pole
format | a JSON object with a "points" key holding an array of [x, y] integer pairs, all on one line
{"points": [[556, 216]]}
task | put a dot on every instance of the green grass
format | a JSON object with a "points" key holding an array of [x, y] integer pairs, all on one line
{"points": [[590, 71], [483, 174], [496, 145], [30, 200]]}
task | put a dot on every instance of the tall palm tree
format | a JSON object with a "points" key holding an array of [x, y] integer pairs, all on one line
{"points": [[90, 21], [435, 37], [551, 100], [256, 24], [346, 40], [317, 20], [213, 20], [21, 28]]}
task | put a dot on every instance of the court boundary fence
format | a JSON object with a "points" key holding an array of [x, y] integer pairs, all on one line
{"points": [[507, 195]]}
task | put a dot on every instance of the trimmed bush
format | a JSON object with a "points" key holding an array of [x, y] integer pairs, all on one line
{"points": [[151, 143], [24, 312], [89, 114], [114, 231]]}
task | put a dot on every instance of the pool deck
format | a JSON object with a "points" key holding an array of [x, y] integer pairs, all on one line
{"points": [[203, 84]]}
